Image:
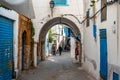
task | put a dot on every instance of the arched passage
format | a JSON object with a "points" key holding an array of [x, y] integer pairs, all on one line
{"points": [[58, 20], [47, 26]]}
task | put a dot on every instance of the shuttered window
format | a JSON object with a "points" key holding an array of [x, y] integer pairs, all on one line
{"points": [[94, 31], [104, 11], [88, 15], [61, 2]]}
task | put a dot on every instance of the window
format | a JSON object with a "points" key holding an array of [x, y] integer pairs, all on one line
{"points": [[104, 11], [61, 2], [88, 15], [94, 31]]}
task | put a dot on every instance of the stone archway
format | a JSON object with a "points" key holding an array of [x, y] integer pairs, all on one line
{"points": [[47, 26]]}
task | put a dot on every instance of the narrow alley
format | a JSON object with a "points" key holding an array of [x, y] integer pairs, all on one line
{"points": [[57, 68], [87, 32]]}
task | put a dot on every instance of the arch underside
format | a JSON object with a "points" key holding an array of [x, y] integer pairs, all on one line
{"points": [[55, 21]]}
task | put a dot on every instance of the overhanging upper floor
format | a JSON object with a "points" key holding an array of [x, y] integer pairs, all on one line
{"points": [[24, 7]]}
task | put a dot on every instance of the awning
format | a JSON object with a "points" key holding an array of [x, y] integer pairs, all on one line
{"points": [[24, 7]]}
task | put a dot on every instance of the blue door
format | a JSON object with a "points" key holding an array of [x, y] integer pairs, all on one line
{"points": [[103, 54], [115, 76], [6, 48]]}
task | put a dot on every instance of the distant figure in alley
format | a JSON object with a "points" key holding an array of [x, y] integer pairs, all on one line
{"points": [[54, 49], [60, 49]]}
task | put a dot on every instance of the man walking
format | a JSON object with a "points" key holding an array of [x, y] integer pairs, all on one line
{"points": [[60, 50]]}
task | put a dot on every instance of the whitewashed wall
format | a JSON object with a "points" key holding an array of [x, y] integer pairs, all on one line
{"points": [[14, 16], [118, 30], [42, 10], [92, 47]]}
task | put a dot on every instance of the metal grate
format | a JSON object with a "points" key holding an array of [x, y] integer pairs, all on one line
{"points": [[6, 48]]}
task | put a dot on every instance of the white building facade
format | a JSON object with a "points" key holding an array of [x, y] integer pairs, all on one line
{"points": [[99, 32], [101, 41], [43, 13]]}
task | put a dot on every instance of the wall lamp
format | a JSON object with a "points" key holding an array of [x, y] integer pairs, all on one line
{"points": [[52, 4]]}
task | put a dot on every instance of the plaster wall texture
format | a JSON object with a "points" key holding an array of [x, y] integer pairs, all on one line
{"points": [[91, 47], [43, 12]]}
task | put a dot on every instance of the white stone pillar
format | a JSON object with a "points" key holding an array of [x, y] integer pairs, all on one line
{"points": [[43, 50], [15, 57], [72, 50], [35, 55]]}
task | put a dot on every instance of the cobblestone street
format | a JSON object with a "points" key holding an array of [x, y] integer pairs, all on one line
{"points": [[57, 68]]}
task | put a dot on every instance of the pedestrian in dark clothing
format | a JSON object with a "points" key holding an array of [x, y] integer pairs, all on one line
{"points": [[54, 49], [60, 50]]}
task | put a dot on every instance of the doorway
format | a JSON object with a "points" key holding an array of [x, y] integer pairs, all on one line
{"points": [[23, 50], [103, 54]]}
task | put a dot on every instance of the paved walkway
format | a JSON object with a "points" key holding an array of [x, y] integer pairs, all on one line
{"points": [[57, 68]]}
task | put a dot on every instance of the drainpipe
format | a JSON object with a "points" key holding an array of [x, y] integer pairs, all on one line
{"points": [[94, 22], [52, 6], [117, 33]]}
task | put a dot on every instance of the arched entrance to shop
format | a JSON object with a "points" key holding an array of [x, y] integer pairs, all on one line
{"points": [[23, 50], [47, 26]]}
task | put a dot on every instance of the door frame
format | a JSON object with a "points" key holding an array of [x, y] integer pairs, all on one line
{"points": [[103, 57]]}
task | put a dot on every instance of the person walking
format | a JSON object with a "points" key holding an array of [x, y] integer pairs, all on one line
{"points": [[76, 51], [60, 50], [53, 49]]}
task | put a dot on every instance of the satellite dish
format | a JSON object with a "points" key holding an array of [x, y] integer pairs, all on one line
{"points": [[15, 2]]}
